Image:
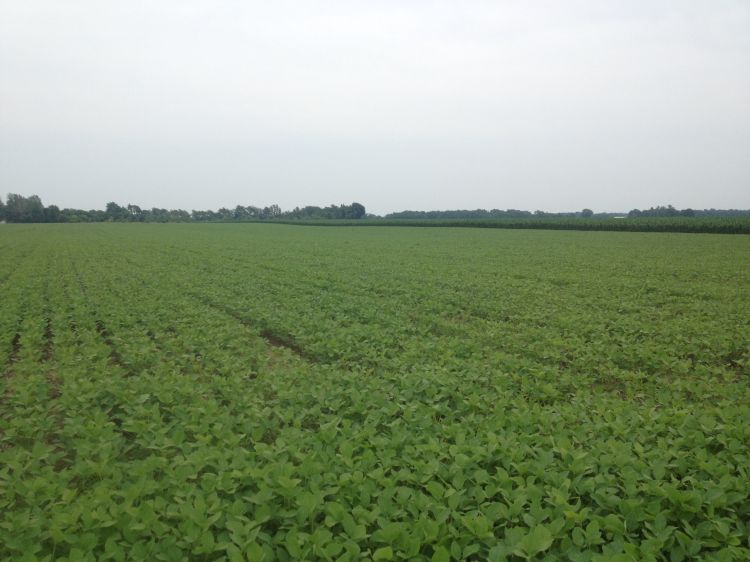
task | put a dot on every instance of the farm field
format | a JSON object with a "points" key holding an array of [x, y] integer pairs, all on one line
{"points": [[275, 392]]}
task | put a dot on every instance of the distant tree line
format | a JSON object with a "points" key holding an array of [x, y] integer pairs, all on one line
{"points": [[22, 209], [240, 213], [18, 208], [493, 214], [668, 211]]}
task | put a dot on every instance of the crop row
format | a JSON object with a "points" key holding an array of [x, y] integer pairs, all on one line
{"points": [[715, 225]]}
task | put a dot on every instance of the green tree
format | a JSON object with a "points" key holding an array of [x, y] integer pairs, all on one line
{"points": [[271, 212], [240, 213], [115, 212], [24, 209], [52, 214], [587, 213], [357, 211], [225, 214], [136, 213]]}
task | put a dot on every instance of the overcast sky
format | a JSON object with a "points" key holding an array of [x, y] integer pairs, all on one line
{"points": [[404, 104]]}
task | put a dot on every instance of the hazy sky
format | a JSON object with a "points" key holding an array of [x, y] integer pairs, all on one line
{"points": [[408, 104]]}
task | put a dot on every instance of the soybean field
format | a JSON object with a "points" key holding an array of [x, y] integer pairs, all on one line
{"points": [[272, 392]]}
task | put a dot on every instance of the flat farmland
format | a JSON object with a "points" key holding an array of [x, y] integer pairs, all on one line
{"points": [[275, 392]]}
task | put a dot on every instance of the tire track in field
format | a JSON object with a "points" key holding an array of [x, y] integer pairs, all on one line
{"points": [[18, 261], [311, 286], [15, 349], [48, 340], [15, 343], [115, 358], [160, 342], [111, 411], [105, 288], [165, 340], [272, 338], [48, 345], [53, 437], [409, 325], [8, 374], [10, 370]]}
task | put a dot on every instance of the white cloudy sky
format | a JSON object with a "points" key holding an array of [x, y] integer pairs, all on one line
{"points": [[397, 104]]}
